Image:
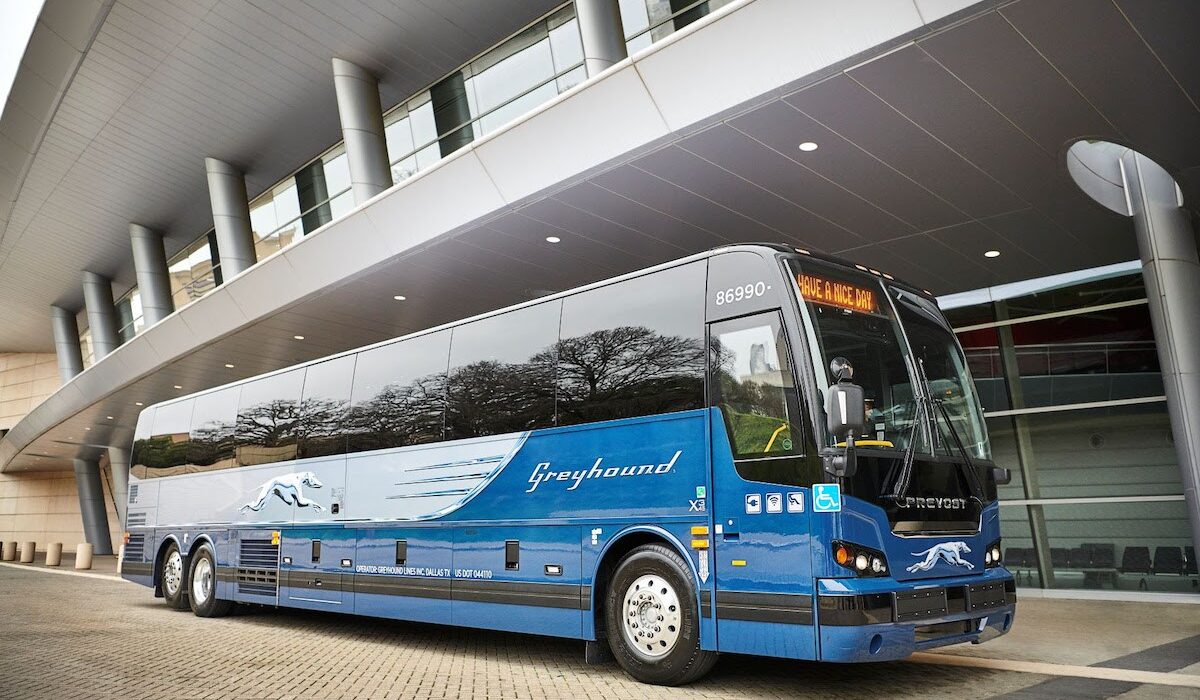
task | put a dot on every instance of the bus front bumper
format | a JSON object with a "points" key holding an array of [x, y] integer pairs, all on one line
{"points": [[883, 619]]}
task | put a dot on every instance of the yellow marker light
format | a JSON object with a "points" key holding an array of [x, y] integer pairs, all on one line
{"points": [[275, 537], [699, 531], [739, 562], [700, 544]]}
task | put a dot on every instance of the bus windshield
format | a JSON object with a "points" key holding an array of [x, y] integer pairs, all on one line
{"points": [[873, 325]]}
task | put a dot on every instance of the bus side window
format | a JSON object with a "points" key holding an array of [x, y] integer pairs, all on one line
{"points": [[753, 384], [399, 394], [268, 419], [633, 348]]}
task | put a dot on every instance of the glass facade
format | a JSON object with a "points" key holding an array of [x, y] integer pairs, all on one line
{"points": [[523, 72], [1069, 377]]}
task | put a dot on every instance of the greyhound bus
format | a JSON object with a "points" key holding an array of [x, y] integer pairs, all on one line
{"points": [[754, 450]]}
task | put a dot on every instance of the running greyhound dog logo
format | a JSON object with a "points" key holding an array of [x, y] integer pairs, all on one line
{"points": [[289, 488], [949, 552]]}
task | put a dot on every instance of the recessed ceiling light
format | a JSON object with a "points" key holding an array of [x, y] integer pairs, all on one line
{"points": [[553, 239], [87, 429], [111, 418], [228, 366], [399, 297], [992, 254], [298, 337], [808, 146], [177, 386], [138, 403]]}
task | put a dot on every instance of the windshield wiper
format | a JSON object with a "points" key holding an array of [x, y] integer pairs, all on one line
{"points": [[968, 466]]}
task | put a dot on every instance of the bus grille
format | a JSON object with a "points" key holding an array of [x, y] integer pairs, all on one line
{"points": [[258, 570], [135, 548], [135, 519]]}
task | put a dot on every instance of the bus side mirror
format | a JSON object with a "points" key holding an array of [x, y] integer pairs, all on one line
{"points": [[1002, 476], [845, 417]]}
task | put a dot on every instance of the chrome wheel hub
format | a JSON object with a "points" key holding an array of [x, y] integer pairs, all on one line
{"points": [[202, 581], [651, 616], [173, 573]]}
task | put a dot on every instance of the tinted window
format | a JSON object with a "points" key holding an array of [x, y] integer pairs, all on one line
{"points": [[502, 373], [324, 407], [754, 387], [633, 348], [212, 431], [164, 452], [268, 418], [141, 443], [399, 393]]}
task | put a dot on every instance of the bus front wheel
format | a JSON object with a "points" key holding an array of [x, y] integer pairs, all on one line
{"points": [[172, 578], [203, 580], [653, 626]]}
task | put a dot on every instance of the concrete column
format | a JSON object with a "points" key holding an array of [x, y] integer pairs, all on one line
{"points": [[66, 343], [1171, 269], [101, 314], [118, 462], [154, 282], [231, 217], [91, 506], [362, 129], [602, 33]]}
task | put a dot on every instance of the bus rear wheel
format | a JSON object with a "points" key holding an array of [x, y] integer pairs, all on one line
{"points": [[653, 625], [173, 577], [203, 578]]}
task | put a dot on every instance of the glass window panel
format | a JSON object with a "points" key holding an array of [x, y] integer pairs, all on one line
{"points": [[268, 419], [1112, 451], [341, 205], [510, 77], [262, 217], [1094, 356], [142, 446], [337, 173], [519, 106], [1122, 546], [420, 114], [971, 315], [212, 430], [324, 406], [192, 273], [570, 79], [397, 133], [502, 373], [633, 348], [166, 450], [399, 393], [1124, 287], [1019, 555], [566, 46]]}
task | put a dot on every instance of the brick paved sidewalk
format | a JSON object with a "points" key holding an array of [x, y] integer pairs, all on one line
{"points": [[73, 637]]}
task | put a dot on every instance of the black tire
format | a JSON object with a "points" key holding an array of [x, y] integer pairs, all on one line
{"points": [[172, 577], [202, 585], [655, 568]]}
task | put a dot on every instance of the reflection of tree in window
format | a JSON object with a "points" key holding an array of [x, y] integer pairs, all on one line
{"points": [[491, 397], [399, 415], [321, 428], [267, 432], [628, 371]]}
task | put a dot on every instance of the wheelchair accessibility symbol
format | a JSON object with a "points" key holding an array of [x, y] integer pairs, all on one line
{"points": [[827, 498]]}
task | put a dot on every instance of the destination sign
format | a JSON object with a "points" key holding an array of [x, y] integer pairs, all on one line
{"points": [[821, 290]]}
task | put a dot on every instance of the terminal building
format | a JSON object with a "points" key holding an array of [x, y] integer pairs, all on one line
{"points": [[194, 192]]}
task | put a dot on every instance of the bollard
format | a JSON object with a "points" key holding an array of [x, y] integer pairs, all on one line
{"points": [[9, 552], [120, 558], [83, 556], [28, 549], [54, 554]]}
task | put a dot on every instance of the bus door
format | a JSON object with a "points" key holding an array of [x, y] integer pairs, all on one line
{"points": [[761, 504]]}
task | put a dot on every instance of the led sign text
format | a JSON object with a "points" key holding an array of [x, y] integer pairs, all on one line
{"points": [[820, 290]]}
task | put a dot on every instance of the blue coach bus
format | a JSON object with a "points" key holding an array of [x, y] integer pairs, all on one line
{"points": [[754, 450]]}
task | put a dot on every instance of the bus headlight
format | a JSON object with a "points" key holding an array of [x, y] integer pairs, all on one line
{"points": [[863, 561], [991, 556]]}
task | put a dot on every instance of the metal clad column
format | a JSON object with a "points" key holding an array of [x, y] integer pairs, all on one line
{"points": [[66, 343], [602, 33], [1171, 269], [362, 129], [91, 506], [231, 217], [118, 462], [154, 282], [101, 314]]}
